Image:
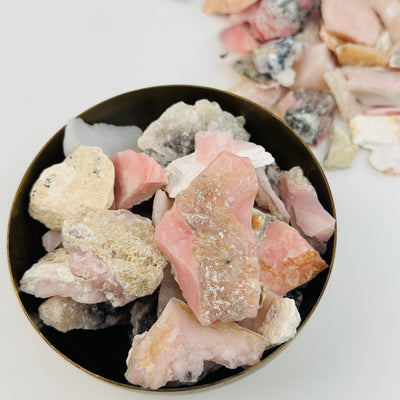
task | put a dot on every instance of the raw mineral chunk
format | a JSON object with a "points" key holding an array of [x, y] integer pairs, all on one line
{"points": [[208, 145], [51, 240], [361, 55], [51, 276], [286, 259], [386, 159], [267, 199], [374, 86], [177, 346], [137, 177], [161, 204], [264, 97], [115, 250], [65, 314], [306, 212], [341, 151], [277, 319], [169, 288], [226, 6], [172, 135], [369, 131], [308, 112], [351, 20], [260, 222], [237, 39], [110, 138], [346, 102], [276, 58], [208, 238], [84, 178]]}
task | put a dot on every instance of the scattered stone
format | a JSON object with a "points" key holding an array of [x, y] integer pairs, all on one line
{"points": [[341, 151], [115, 250], [170, 350], [386, 159], [65, 314], [84, 178], [51, 276]]}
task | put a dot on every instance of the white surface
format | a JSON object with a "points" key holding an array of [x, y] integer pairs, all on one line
{"points": [[60, 58]]}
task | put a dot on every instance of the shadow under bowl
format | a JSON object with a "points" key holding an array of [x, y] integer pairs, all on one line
{"points": [[86, 349]]}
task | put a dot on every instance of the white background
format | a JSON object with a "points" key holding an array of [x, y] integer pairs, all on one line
{"points": [[58, 59]]}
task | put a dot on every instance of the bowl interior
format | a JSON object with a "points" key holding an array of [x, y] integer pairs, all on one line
{"points": [[104, 352]]}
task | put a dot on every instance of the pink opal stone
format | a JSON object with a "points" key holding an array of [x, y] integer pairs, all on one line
{"points": [[177, 346], [286, 259], [208, 238], [237, 39], [137, 178]]}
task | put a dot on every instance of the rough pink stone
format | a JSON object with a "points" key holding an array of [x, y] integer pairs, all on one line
{"points": [[137, 177], [237, 39], [306, 212], [176, 347], [286, 258], [208, 238]]}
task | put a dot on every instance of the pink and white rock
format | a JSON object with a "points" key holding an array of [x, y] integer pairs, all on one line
{"points": [[65, 314], [267, 199], [314, 61], [275, 59], [208, 238], [226, 6], [84, 178], [277, 319], [273, 19], [386, 159], [301, 200], [115, 250], [346, 102], [374, 86], [286, 259], [110, 138], [51, 276], [208, 145], [169, 288], [352, 20], [137, 178], [51, 240], [172, 135], [308, 112], [266, 98], [237, 39], [161, 204], [170, 350]]}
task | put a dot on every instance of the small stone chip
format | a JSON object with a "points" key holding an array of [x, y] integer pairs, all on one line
{"points": [[360, 55], [84, 178], [115, 250], [341, 151]]}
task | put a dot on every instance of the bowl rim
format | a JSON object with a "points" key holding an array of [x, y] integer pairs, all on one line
{"points": [[245, 371]]}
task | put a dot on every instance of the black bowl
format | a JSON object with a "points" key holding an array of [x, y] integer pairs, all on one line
{"points": [[139, 108]]}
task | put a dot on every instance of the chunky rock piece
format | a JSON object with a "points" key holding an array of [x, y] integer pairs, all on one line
{"points": [[286, 259], [51, 276], [115, 250], [169, 288], [276, 58], [172, 135], [301, 200], [386, 159], [309, 113], [170, 351], [341, 151], [208, 238], [84, 178], [65, 314], [277, 319], [361, 55], [237, 39], [267, 199], [51, 240], [110, 138], [137, 177], [351, 20], [226, 6]]}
